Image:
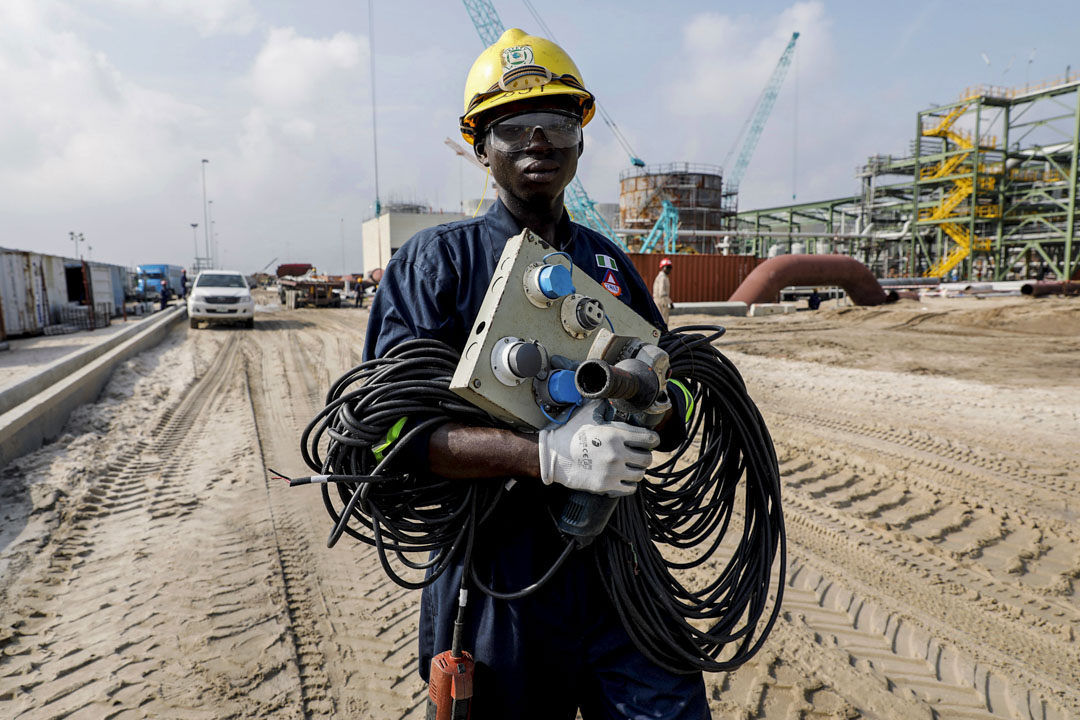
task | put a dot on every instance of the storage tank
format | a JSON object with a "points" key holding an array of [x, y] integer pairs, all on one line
{"points": [[697, 190]]}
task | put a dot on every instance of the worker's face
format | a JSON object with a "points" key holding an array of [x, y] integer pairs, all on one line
{"points": [[540, 171]]}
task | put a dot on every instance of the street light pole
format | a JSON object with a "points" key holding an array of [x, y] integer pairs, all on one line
{"points": [[206, 211], [213, 237], [195, 240], [77, 238]]}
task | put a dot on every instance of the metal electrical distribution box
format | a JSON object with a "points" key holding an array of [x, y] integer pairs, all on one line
{"points": [[507, 312]]}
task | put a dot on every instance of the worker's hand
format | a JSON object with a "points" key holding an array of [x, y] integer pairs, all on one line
{"points": [[596, 455]]}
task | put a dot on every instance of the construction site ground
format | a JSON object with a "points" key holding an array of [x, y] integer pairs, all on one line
{"points": [[150, 566]]}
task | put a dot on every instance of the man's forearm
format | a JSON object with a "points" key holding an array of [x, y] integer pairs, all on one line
{"points": [[460, 451]]}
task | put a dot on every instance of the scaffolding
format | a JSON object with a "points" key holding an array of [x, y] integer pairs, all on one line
{"points": [[673, 202], [987, 191]]}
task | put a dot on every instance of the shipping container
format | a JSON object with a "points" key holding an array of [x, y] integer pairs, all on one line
{"points": [[698, 278], [101, 287], [36, 289], [119, 278], [23, 293]]}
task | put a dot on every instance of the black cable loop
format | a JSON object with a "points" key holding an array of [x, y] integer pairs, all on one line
{"points": [[688, 501]]}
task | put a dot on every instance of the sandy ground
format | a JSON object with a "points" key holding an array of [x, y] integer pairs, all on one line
{"points": [[149, 567]]}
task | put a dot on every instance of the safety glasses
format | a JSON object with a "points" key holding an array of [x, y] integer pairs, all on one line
{"points": [[515, 133]]}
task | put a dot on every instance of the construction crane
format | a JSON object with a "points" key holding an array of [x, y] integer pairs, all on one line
{"points": [[583, 209], [748, 137], [600, 110]]}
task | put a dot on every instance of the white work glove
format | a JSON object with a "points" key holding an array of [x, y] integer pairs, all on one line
{"points": [[593, 454]]}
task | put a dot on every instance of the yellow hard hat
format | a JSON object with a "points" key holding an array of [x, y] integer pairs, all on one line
{"points": [[516, 67]]}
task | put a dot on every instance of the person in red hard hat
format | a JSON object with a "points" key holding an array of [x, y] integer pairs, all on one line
{"points": [[661, 289]]}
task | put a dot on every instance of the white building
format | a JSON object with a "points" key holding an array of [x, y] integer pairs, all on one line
{"points": [[385, 234]]}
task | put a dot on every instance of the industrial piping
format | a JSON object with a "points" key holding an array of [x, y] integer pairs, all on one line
{"points": [[1043, 288], [764, 284]]}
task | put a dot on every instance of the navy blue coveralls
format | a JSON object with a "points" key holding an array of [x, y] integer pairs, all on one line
{"points": [[563, 646]]}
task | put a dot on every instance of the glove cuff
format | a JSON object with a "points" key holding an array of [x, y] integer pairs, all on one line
{"points": [[547, 459]]}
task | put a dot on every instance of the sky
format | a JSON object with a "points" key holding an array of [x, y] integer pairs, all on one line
{"points": [[110, 106]]}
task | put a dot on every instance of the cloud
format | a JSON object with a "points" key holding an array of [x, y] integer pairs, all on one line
{"points": [[726, 63], [289, 69], [96, 148], [727, 60], [209, 17], [74, 130]]}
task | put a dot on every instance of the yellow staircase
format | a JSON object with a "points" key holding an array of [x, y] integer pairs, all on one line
{"points": [[962, 189]]}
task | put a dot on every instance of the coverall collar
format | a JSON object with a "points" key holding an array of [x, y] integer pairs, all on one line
{"points": [[502, 225]]}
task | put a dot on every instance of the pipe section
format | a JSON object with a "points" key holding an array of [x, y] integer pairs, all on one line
{"points": [[1043, 288], [764, 284]]}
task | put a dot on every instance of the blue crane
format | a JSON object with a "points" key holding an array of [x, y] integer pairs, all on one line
{"points": [[490, 27], [755, 124]]}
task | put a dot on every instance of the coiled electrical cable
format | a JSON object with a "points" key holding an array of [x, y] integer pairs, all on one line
{"points": [[689, 502], [399, 514]]}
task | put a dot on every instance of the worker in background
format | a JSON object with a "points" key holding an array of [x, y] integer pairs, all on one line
{"points": [[562, 647], [183, 282], [814, 301], [164, 293], [661, 289], [359, 301]]}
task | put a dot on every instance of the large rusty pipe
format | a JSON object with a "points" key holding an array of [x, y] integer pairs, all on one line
{"points": [[770, 277], [1050, 287]]}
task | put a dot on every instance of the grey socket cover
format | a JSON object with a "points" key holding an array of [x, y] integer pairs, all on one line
{"points": [[507, 312]]}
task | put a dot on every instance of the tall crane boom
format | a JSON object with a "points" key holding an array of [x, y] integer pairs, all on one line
{"points": [[490, 27], [487, 22], [759, 116]]}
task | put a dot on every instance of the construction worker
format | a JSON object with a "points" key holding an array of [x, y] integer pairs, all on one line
{"points": [[661, 289], [561, 647]]}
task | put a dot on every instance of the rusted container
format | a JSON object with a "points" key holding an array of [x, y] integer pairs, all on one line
{"points": [[698, 278], [292, 269]]}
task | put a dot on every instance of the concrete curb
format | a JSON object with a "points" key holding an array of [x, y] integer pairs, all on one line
{"points": [[762, 309], [40, 418], [737, 309], [20, 392]]}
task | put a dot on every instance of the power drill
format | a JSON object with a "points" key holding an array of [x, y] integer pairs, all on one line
{"points": [[450, 682], [631, 375]]}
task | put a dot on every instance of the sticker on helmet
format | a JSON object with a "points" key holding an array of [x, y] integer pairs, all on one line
{"points": [[517, 56]]}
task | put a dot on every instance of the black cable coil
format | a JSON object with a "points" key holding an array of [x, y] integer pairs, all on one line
{"points": [[687, 501]]}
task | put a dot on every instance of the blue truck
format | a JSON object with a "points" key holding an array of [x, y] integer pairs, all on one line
{"points": [[148, 285]]}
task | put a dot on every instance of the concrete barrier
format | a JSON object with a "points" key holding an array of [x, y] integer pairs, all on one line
{"points": [[21, 391], [40, 418], [763, 309], [737, 309]]}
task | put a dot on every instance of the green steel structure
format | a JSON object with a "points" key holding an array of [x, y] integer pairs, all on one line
{"points": [[987, 191]]}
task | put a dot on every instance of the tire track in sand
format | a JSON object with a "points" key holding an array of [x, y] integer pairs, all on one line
{"points": [[365, 625], [914, 615], [1027, 563], [119, 621]]}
